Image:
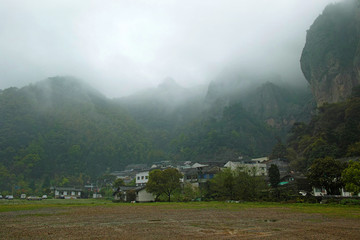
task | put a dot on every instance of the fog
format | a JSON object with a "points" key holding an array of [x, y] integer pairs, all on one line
{"points": [[122, 46]]}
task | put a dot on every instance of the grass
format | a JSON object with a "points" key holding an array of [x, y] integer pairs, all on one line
{"points": [[20, 205], [346, 211]]}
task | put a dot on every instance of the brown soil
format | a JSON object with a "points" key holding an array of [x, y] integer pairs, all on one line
{"points": [[156, 222]]}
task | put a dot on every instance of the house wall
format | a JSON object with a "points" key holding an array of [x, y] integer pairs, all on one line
{"points": [[319, 191], [64, 193], [142, 178], [144, 196], [258, 168]]}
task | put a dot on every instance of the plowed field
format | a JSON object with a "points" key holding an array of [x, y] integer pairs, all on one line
{"points": [[178, 221]]}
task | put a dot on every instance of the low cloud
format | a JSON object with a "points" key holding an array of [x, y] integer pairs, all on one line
{"points": [[121, 47]]}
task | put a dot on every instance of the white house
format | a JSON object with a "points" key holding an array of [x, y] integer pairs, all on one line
{"points": [[257, 169], [141, 195], [66, 192], [142, 178], [144, 196], [322, 192], [319, 191]]}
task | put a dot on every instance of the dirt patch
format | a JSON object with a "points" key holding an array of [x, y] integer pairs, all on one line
{"points": [[156, 222]]}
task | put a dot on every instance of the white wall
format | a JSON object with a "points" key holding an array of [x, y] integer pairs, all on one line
{"points": [[144, 196], [142, 178]]}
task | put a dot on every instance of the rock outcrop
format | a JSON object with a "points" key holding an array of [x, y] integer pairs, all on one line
{"points": [[330, 59]]}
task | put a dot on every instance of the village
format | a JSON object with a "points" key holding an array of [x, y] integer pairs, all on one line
{"points": [[197, 175]]}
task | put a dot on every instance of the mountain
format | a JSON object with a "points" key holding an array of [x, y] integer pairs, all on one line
{"points": [[238, 114], [330, 59], [61, 128], [162, 111], [165, 107], [266, 97], [330, 62]]}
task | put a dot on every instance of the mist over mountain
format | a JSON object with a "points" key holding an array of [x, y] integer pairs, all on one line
{"points": [[330, 63], [267, 96], [122, 47], [236, 114], [60, 128]]}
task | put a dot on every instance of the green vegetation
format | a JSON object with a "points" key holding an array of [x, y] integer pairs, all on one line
{"points": [[21, 205], [334, 132], [351, 177], [236, 185], [236, 133], [274, 176], [226, 122], [164, 182], [118, 183], [61, 132], [326, 172]]}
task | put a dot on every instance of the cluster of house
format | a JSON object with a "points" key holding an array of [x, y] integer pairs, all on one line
{"points": [[196, 174]]}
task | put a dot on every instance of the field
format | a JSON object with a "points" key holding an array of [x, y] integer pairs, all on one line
{"points": [[101, 219]]}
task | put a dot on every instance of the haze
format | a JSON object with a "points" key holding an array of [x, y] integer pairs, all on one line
{"points": [[120, 47]]}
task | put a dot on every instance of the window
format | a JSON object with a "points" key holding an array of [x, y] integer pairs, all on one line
{"points": [[138, 178], [142, 177], [146, 177]]}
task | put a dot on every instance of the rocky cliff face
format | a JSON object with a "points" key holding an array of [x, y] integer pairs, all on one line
{"points": [[277, 104], [330, 59]]}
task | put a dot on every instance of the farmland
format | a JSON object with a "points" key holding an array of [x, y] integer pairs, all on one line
{"points": [[101, 219]]}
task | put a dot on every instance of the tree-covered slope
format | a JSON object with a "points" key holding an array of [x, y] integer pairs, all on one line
{"points": [[232, 118], [334, 132], [61, 127], [265, 97], [235, 133], [242, 121]]}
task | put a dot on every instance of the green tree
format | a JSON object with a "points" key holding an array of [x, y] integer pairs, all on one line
{"points": [[353, 150], [279, 150], [118, 183], [274, 176], [190, 192], [351, 177], [326, 172], [164, 182], [171, 178], [154, 185], [223, 185], [236, 185]]}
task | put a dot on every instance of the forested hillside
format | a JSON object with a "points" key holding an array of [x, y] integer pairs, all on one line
{"points": [[62, 130], [333, 132], [230, 119], [330, 63]]}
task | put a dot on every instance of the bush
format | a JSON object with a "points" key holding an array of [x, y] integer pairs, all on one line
{"points": [[350, 202]]}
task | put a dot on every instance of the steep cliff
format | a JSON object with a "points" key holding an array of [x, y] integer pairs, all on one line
{"points": [[330, 59], [267, 98]]}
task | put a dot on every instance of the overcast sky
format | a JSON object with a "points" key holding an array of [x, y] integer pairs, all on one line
{"points": [[121, 46]]}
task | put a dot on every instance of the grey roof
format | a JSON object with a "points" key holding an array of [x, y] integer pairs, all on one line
{"points": [[204, 170], [67, 189], [136, 166], [128, 188]]}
